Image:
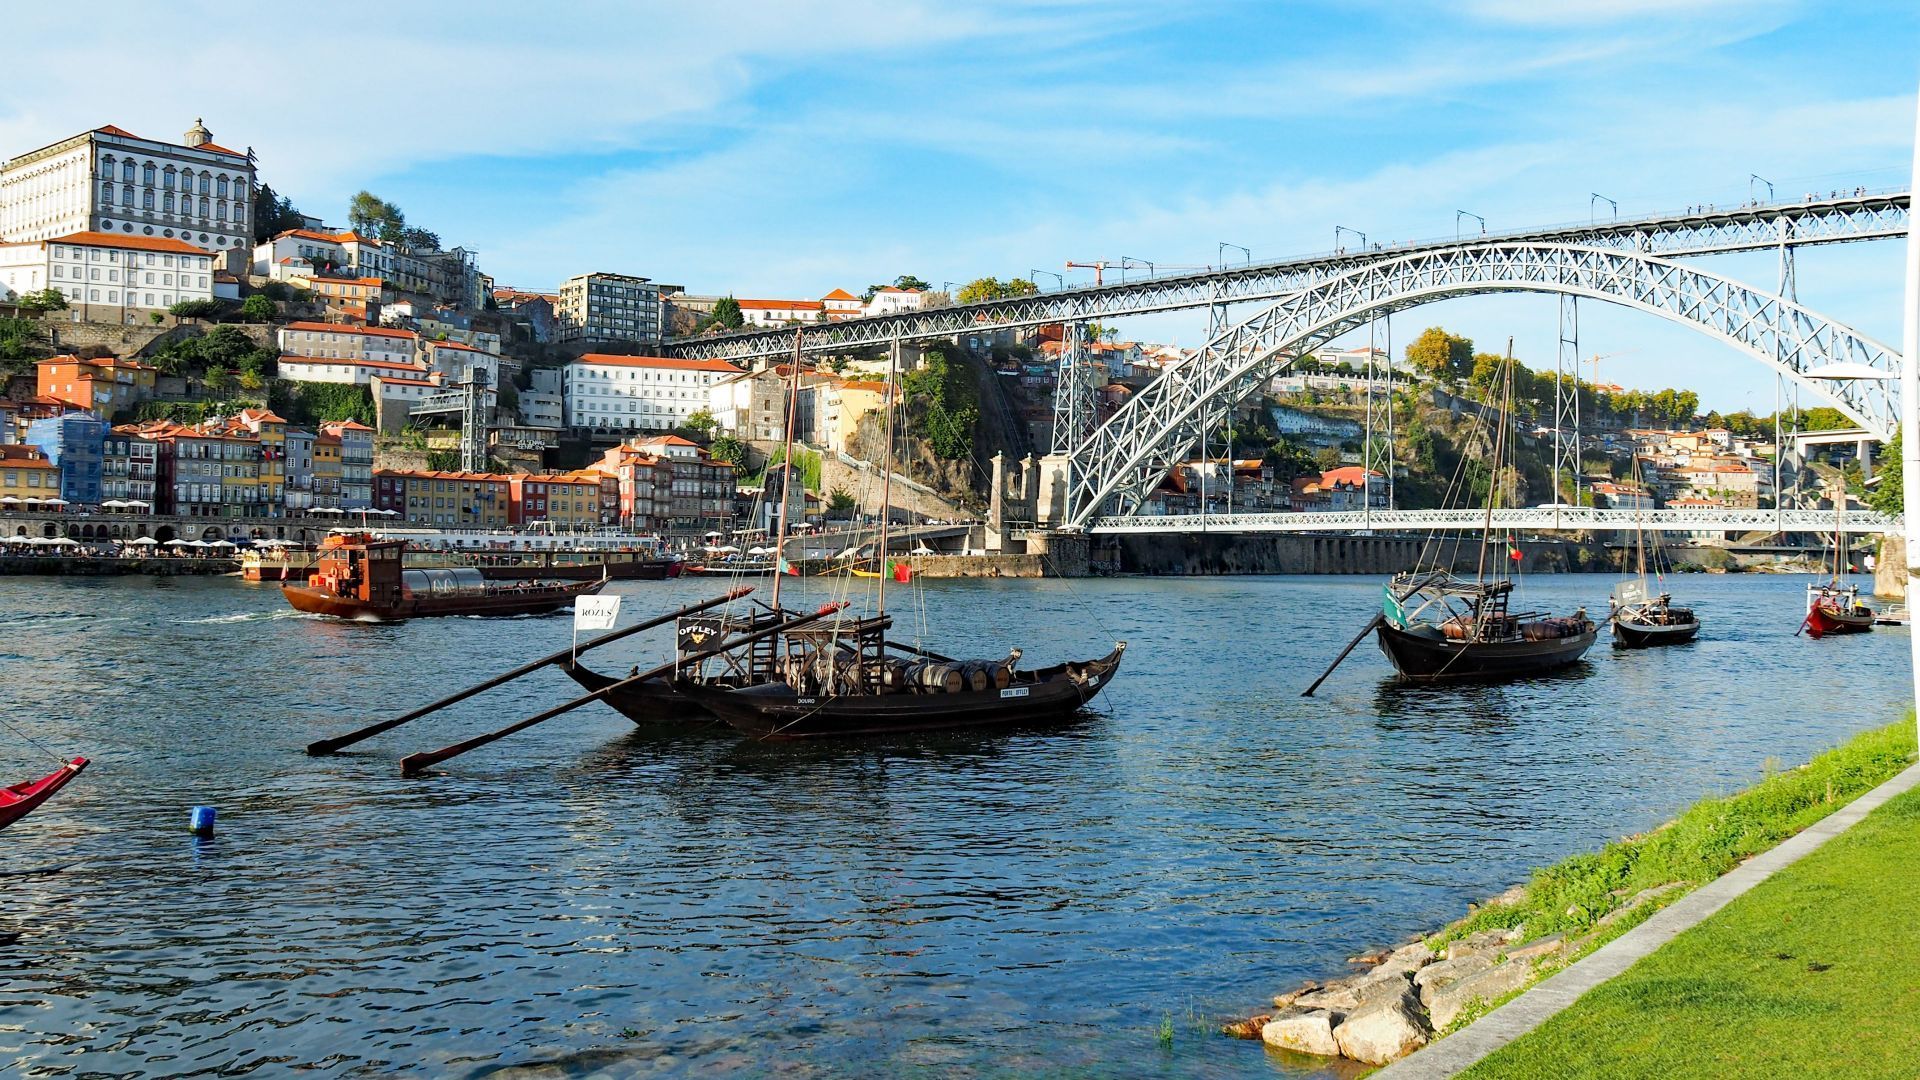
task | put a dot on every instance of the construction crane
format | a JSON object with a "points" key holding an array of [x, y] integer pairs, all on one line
{"points": [[1595, 361], [1098, 268]]}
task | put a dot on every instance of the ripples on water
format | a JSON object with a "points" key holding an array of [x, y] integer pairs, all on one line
{"points": [[601, 901]]}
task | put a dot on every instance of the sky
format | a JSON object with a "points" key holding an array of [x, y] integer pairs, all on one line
{"points": [[782, 150]]}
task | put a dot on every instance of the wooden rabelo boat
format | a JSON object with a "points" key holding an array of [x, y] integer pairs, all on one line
{"points": [[1835, 608], [1434, 626], [1640, 618], [840, 677], [1437, 627], [837, 679], [20, 800], [358, 577]]}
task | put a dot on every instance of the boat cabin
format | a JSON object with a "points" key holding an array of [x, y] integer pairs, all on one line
{"points": [[356, 565]]}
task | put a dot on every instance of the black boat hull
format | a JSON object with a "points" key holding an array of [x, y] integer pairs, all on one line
{"points": [[652, 703], [775, 711], [1633, 635], [1419, 658]]}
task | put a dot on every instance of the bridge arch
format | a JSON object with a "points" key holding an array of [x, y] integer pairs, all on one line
{"points": [[1124, 458]]}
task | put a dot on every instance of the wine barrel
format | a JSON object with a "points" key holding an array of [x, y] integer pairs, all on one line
{"points": [[1002, 674], [974, 675], [941, 678]]}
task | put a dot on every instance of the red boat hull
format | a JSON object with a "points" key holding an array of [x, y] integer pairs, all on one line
{"points": [[1822, 621], [506, 601], [20, 800]]}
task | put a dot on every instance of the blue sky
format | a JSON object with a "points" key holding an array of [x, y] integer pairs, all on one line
{"points": [[784, 150]]}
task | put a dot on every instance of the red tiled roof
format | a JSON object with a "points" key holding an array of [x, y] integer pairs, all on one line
{"points": [[456, 345], [344, 425], [673, 362], [1346, 474], [781, 305], [839, 294], [343, 328], [218, 149], [120, 131], [137, 243]]}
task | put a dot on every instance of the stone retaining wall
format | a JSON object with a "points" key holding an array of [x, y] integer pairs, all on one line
{"points": [[978, 566]]}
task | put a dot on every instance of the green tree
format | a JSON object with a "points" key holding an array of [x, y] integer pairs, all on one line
{"points": [[414, 238], [1888, 494], [703, 422], [19, 338], [1441, 355], [992, 288], [156, 318], [218, 380], [908, 281], [1327, 459], [257, 308], [728, 448], [726, 313], [371, 215], [841, 503], [195, 309], [273, 214], [1486, 368], [42, 301]]}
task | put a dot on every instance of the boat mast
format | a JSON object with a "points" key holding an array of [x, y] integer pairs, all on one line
{"points": [[786, 460], [1493, 475], [886, 474]]}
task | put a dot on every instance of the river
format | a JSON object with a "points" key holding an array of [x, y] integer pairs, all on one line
{"points": [[586, 899]]}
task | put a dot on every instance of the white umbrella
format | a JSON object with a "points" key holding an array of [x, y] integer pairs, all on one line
{"points": [[142, 541], [64, 541], [223, 543], [115, 503], [8, 499], [177, 542], [715, 535], [759, 551], [922, 550], [138, 502], [55, 502], [727, 549]]}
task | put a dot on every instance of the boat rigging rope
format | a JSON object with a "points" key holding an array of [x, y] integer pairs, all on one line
{"points": [[35, 743]]}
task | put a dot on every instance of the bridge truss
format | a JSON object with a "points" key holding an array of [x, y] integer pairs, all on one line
{"points": [[1124, 459], [1542, 519], [1879, 215]]}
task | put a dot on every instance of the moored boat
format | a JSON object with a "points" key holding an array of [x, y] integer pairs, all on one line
{"points": [[1833, 608], [1435, 627], [358, 577], [20, 800]]}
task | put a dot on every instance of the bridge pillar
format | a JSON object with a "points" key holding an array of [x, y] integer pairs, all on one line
{"points": [[1066, 554]]}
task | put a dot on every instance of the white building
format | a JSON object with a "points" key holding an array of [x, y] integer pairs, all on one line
{"points": [[108, 277], [304, 245], [608, 308], [458, 362], [349, 370], [889, 300], [339, 341], [637, 393], [110, 180], [781, 312]]}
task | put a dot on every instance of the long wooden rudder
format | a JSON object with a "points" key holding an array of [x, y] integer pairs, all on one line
{"points": [[414, 764], [327, 746]]}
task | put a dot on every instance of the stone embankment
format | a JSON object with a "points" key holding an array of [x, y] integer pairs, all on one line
{"points": [[1427, 988], [76, 566]]}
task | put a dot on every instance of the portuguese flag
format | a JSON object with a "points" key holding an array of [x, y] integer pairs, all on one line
{"points": [[901, 572]]}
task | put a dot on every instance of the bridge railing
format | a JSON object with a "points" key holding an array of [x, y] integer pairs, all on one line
{"points": [[1535, 519]]}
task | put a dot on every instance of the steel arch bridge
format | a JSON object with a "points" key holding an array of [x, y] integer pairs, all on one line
{"points": [[1845, 218], [1114, 469]]}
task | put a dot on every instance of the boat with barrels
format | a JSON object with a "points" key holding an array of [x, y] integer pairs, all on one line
{"points": [[1434, 626], [359, 577]]}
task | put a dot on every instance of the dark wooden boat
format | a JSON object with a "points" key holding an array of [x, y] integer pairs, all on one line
{"points": [[358, 577], [1833, 608], [20, 800], [1436, 627], [837, 680], [659, 701], [1640, 622]]}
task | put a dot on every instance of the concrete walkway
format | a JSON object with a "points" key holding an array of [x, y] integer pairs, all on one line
{"points": [[1458, 1051]]}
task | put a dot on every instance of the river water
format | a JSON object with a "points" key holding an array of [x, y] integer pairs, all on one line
{"points": [[585, 899]]}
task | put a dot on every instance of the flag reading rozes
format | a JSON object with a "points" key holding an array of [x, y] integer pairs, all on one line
{"points": [[595, 612]]}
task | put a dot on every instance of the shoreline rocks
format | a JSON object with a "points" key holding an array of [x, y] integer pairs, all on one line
{"points": [[1409, 996]]}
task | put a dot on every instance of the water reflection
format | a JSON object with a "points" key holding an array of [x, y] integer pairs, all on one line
{"points": [[594, 896]]}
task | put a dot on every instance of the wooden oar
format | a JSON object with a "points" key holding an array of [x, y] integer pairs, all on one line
{"points": [[1377, 619], [414, 764], [328, 746]]}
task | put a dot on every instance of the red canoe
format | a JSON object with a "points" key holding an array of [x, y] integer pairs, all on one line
{"points": [[20, 800]]}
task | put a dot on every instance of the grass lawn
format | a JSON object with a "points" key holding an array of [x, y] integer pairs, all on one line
{"points": [[1814, 973]]}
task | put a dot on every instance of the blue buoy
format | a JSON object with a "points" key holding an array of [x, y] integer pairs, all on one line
{"points": [[203, 821]]}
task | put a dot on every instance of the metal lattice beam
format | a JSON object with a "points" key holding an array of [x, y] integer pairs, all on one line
{"points": [[1535, 520], [1878, 216], [1073, 408], [1114, 471]]}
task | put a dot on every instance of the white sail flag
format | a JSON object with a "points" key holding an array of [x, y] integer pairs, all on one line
{"points": [[595, 613]]}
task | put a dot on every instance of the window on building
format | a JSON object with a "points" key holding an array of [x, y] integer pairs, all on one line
{"points": [[146, 199], [106, 193], [204, 181]]}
